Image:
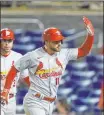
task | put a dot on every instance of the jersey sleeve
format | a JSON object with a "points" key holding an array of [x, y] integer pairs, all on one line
{"points": [[70, 54], [24, 73], [24, 76], [25, 62]]}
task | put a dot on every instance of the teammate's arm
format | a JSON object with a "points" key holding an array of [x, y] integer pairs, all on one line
{"points": [[12, 73], [10, 77], [22, 64], [87, 45]]}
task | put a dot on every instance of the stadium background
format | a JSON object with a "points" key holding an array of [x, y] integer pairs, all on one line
{"points": [[80, 85]]}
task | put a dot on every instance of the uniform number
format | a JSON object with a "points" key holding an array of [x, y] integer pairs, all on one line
{"points": [[57, 81]]}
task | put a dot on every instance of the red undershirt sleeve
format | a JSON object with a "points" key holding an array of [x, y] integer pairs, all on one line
{"points": [[10, 77], [86, 46]]}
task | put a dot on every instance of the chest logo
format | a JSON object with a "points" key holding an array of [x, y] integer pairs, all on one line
{"points": [[51, 72]]}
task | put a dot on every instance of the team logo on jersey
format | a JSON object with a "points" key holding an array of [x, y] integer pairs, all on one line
{"points": [[52, 72], [59, 63]]}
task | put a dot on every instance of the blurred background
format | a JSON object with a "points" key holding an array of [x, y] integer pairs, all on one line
{"points": [[79, 89]]}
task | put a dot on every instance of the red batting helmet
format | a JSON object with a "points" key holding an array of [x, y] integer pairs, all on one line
{"points": [[52, 34], [6, 34]]}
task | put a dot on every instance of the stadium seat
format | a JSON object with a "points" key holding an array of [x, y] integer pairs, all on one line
{"points": [[77, 66], [66, 74], [18, 32], [90, 59], [100, 76], [96, 85], [84, 93], [93, 100], [70, 84], [98, 67], [96, 92], [82, 75], [24, 47], [72, 97], [99, 58], [95, 62], [79, 106], [82, 78], [36, 33], [37, 44], [96, 111], [67, 33], [65, 91]]}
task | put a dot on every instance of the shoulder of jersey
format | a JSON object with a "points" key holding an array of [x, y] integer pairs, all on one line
{"points": [[63, 50], [37, 52], [16, 54]]}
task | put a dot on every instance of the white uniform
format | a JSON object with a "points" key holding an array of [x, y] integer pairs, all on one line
{"points": [[45, 72], [6, 63]]}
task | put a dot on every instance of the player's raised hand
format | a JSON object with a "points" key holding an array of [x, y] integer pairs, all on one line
{"points": [[89, 26], [4, 97]]}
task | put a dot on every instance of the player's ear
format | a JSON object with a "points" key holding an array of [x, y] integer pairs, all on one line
{"points": [[46, 42], [61, 41]]}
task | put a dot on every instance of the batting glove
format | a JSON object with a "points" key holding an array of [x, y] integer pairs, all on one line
{"points": [[89, 26], [4, 97]]}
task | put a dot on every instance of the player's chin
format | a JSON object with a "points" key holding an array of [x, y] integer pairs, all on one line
{"points": [[58, 49], [7, 50]]}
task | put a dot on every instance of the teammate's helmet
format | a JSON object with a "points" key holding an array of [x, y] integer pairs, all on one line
{"points": [[6, 34], [52, 34]]}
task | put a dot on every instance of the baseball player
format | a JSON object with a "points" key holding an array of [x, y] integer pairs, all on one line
{"points": [[8, 58], [46, 65]]}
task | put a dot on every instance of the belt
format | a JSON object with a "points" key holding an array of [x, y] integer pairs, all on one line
{"points": [[46, 98], [11, 95]]}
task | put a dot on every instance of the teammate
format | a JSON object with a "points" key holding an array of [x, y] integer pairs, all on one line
{"points": [[101, 99], [46, 65], [8, 58]]}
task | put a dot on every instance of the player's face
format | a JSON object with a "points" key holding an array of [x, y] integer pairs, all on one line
{"points": [[6, 45], [55, 46]]}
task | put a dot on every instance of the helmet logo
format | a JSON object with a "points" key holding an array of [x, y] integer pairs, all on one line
{"points": [[58, 32], [7, 33]]}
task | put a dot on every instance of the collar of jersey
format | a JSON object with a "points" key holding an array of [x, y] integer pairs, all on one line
{"points": [[55, 54], [6, 55]]}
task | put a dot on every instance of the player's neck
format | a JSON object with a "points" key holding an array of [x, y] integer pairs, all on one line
{"points": [[50, 52], [5, 54]]}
